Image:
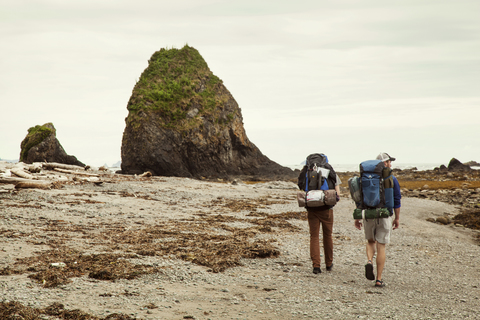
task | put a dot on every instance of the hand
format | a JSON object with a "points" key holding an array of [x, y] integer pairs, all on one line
{"points": [[338, 197], [395, 224], [358, 224]]}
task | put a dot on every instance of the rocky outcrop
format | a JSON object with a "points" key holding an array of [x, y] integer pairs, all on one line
{"points": [[472, 163], [183, 121], [41, 144], [442, 168], [456, 165]]}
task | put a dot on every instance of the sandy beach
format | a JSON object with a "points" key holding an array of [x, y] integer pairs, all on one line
{"points": [[125, 247]]}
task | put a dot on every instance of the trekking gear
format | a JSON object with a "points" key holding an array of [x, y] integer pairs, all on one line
{"points": [[317, 270], [372, 184], [388, 186], [317, 175], [369, 271], [316, 198], [329, 268], [372, 192], [371, 213], [355, 191]]}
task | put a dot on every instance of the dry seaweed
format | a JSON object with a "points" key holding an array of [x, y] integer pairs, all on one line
{"points": [[195, 240], [15, 311], [216, 241], [469, 218], [55, 267], [237, 205]]}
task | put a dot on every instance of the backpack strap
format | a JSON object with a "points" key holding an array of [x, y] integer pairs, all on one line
{"points": [[306, 181]]}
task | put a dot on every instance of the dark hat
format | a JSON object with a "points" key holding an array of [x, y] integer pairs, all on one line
{"points": [[383, 156]]}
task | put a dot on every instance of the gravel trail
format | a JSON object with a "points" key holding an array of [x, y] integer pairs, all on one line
{"points": [[432, 271]]}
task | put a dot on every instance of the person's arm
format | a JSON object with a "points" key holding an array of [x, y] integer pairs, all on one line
{"points": [[358, 224], [396, 221], [337, 186], [396, 203]]}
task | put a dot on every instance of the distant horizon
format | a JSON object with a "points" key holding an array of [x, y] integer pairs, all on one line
{"points": [[340, 166]]}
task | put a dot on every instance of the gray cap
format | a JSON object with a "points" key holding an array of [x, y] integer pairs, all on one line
{"points": [[383, 156]]}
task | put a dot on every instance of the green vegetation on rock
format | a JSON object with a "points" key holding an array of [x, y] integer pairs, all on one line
{"points": [[175, 82], [35, 136]]}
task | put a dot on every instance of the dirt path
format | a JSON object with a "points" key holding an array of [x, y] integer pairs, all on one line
{"points": [[432, 271]]}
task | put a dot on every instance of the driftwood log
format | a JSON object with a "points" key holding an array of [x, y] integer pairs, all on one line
{"points": [[25, 183], [53, 165], [33, 184], [76, 172], [13, 180], [21, 173], [145, 174], [22, 179]]}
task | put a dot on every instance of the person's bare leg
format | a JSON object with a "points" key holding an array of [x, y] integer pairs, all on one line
{"points": [[380, 259], [369, 266], [370, 250]]}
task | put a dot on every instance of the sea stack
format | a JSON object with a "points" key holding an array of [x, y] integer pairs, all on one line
{"points": [[41, 145], [182, 121]]}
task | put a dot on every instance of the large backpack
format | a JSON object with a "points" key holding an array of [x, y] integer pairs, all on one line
{"points": [[317, 174], [373, 190], [371, 180]]}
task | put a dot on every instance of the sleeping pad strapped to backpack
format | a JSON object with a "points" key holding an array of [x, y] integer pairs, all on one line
{"points": [[372, 191], [318, 180]]}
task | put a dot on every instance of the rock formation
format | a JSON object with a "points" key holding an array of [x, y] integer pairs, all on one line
{"points": [[472, 163], [41, 144], [443, 168], [456, 165], [183, 121]]}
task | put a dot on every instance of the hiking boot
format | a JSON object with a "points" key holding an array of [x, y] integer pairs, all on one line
{"points": [[329, 268], [317, 270]]}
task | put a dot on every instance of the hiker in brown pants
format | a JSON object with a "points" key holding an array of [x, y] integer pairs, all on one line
{"points": [[324, 217], [322, 214]]}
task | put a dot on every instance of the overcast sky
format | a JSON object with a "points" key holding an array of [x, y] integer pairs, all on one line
{"points": [[346, 78]]}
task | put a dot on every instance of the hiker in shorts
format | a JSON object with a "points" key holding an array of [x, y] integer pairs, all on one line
{"points": [[323, 216], [377, 231]]}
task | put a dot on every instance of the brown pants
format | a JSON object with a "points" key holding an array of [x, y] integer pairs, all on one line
{"points": [[325, 218]]}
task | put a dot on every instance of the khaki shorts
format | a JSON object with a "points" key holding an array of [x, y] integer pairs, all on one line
{"points": [[378, 229]]}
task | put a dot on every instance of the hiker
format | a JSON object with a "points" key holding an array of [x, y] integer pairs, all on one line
{"points": [[377, 231], [320, 215]]}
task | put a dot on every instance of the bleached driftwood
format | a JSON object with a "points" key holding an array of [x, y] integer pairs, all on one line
{"points": [[75, 172], [21, 173], [25, 183], [33, 184], [91, 179], [53, 165], [145, 174], [13, 180]]}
